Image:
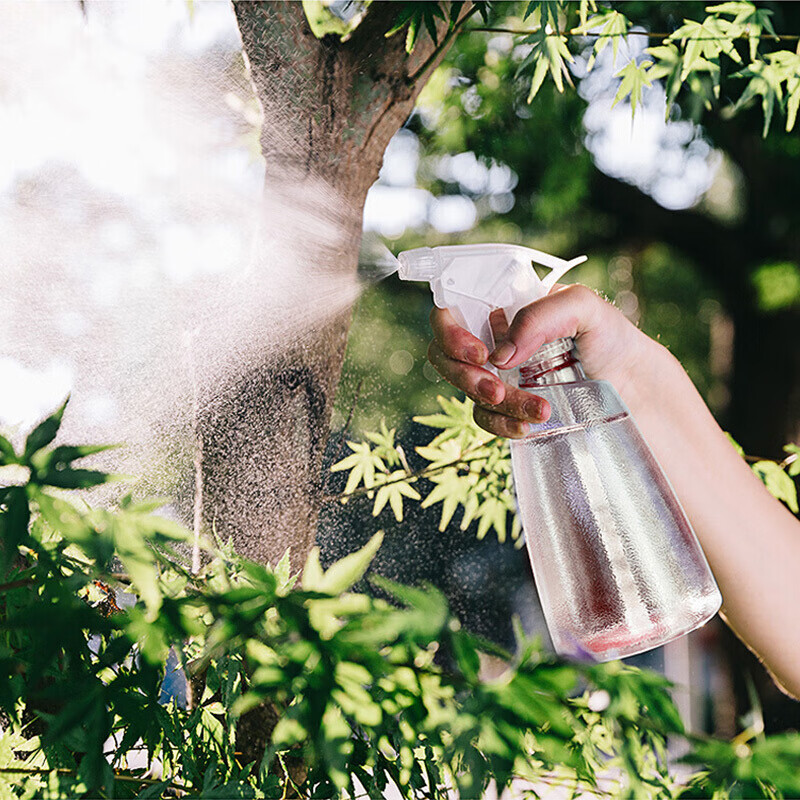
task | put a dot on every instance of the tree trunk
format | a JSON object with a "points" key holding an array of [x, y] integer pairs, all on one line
{"points": [[330, 108]]}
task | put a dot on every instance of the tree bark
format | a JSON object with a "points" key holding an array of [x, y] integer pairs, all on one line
{"points": [[330, 108]]}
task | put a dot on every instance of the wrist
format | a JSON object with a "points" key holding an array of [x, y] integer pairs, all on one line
{"points": [[649, 371]]}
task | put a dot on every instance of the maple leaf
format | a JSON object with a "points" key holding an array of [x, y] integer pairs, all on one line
{"points": [[753, 21], [778, 482], [362, 464], [766, 82], [613, 27], [452, 490], [393, 490], [634, 79], [456, 422], [549, 54]]}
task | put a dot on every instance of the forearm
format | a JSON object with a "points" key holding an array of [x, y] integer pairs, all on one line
{"points": [[751, 541]]}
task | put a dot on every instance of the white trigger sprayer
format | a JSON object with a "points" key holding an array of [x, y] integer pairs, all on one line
{"points": [[617, 565], [474, 279]]}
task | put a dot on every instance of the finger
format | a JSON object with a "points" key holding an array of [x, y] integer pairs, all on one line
{"points": [[522, 405], [499, 424], [474, 381], [499, 325], [568, 312], [455, 341], [487, 389]]}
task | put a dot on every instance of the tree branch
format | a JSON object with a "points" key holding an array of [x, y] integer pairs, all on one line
{"points": [[573, 34]]}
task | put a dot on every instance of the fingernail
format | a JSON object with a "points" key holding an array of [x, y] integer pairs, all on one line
{"points": [[503, 353], [487, 390], [475, 355], [519, 429], [533, 409]]}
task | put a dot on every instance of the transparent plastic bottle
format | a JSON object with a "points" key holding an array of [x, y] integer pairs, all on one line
{"points": [[617, 565]]}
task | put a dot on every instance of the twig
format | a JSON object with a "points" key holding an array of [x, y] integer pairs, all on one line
{"points": [[788, 37], [62, 771], [423, 472], [18, 584], [21, 582], [788, 460], [197, 437], [350, 415]]}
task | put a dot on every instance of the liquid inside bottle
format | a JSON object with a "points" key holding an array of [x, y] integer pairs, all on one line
{"points": [[617, 565]]}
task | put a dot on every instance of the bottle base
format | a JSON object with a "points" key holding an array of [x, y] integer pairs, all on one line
{"points": [[620, 642]]}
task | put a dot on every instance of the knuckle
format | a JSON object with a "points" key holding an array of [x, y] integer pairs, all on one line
{"points": [[525, 314], [580, 294]]}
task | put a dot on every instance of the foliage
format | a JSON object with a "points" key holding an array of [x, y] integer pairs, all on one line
{"points": [[363, 693], [731, 42], [470, 469]]}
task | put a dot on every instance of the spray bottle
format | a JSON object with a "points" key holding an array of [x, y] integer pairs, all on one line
{"points": [[616, 563]]}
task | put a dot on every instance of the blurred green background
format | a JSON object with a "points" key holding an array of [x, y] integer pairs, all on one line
{"points": [[692, 228]]}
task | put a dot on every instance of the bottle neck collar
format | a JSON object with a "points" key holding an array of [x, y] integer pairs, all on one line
{"points": [[554, 362]]}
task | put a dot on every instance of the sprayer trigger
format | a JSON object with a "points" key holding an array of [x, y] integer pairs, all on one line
{"points": [[558, 272]]}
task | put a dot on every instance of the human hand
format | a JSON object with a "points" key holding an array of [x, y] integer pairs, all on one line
{"points": [[610, 347]]}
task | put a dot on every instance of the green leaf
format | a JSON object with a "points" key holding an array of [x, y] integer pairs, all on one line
{"points": [[451, 489], [362, 465], [706, 41], [752, 20], [778, 482], [544, 13], [456, 422], [343, 574], [139, 562], [765, 81], [792, 462], [393, 493], [787, 66], [417, 15], [14, 521], [549, 54], [429, 606], [634, 79], [7, 454], [63, 517], [612, 26], [386, 448], [74, 478], [64, 455], [44, 432], [667, 66], [584, 8]]}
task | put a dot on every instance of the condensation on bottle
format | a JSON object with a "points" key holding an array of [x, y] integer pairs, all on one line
{"points": [[616, 563]]}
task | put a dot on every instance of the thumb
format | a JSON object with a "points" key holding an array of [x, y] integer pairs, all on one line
{"points": [[568, 312]]}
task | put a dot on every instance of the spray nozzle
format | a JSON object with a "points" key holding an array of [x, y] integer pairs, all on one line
{"points": [[472, 280]]}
